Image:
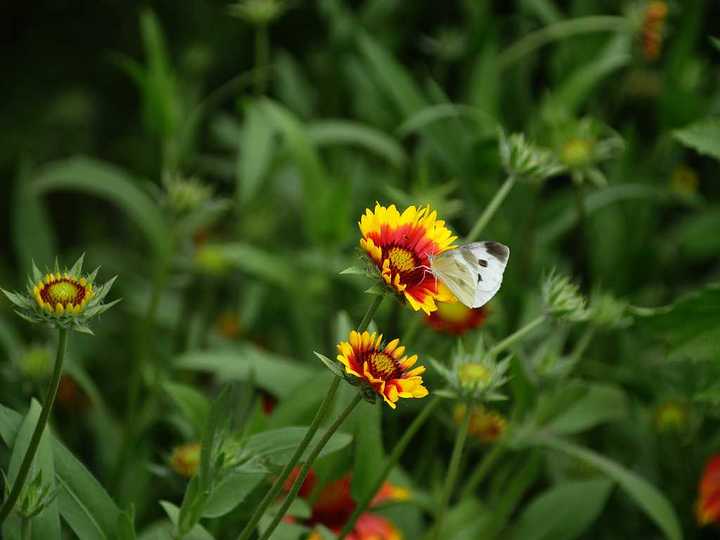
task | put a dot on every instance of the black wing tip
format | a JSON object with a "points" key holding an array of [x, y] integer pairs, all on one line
{"points": [[500, 251]]}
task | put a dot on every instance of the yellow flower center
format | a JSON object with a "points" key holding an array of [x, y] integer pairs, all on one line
{"points": [[62, 292], [473, 373], [454, 313], [402, 259], [383, 365]]}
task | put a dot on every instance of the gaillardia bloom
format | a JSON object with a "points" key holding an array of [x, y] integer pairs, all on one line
{"points": [[382, 368], [708, 504], [399, 245], [485, 425], [456, 319], [66, 299]]}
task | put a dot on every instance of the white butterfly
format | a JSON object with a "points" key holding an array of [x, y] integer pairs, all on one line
{"points": [[472, 272]]}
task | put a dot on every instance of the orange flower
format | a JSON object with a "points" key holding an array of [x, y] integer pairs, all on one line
{"points": [[456, 318], [372, 527], [485, 425], [708, 504], [399, 245], [653, 28], [382, 367], [334, 506]]}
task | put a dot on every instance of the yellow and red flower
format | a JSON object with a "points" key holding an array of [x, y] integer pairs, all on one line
{"points": [[374, 527], [399, 245], [456, 318], [384, 368], [708, 504], [65, 299], [63, 293], [485, 425], [185, 459], [334, 506]]}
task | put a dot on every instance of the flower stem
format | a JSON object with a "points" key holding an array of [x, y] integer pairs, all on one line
{"points": [[516, 336], [319, 417], [282, 477], [308, 463], [39, 428], [558, 31], [391, 462], [481, 470], [490, 209], [370, 313], [452, 473]]}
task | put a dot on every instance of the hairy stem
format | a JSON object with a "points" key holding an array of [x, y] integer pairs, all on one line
{"points": [[319, 417], [490, 209], [39, 428], [516, 336], [392, 460], [452, 473], [308, 463]]}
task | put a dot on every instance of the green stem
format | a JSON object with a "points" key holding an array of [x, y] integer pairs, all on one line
{"points": [[308, 463], [490, 209], [262, 57], [452, 474], [319, 416], [478, 475], [39, 428], [557, 32], [392, 460], [282, 477], [516, 336], [370, 313]]}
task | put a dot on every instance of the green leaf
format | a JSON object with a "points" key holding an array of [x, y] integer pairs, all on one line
{"points": [[274, 373], [344, 132], [47, 523], [369, 452], [702, 136], [563, 512], [326, 204], [193, 404], [421, 119], [198, 532], [571, 94], [392, 77], [83, 503], [108, 182], [256, 152], [692, 326], [276, 446], [332, 366], [232, 490], [647, 496], [262, 264], [602, 403]]}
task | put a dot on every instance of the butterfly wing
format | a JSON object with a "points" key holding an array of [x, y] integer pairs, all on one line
{"points": [[453, 270], [487, 261]]}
